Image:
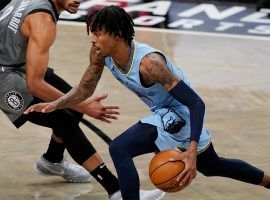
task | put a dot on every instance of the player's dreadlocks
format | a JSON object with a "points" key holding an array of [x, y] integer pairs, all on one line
{"points": [[115, 21]]}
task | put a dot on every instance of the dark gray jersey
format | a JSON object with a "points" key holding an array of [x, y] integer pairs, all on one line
{"points": [[14, 96], [12, 43]]}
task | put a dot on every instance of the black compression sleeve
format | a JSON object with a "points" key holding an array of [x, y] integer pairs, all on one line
{"points": [[185, 95]]}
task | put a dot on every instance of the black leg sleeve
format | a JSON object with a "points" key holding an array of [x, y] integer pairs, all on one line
{"points": [[210, 164], [64, 126]]}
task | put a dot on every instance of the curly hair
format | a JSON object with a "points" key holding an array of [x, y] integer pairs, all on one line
{"points": [[114, 20]]}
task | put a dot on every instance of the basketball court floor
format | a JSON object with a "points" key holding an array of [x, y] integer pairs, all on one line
{"points": [[231, 75]]}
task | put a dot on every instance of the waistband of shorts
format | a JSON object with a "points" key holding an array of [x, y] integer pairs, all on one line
{"points": [[12, 66], [4, 68], [199, 150]]}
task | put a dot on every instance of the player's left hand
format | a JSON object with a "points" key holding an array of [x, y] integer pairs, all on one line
{"points": [[95, 109]]}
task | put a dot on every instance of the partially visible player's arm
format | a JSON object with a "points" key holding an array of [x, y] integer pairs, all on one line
{"points": [[40, 29], [154, 70]]}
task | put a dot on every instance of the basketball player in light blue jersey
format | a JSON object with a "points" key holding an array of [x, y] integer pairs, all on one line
{"points": [[178, 112]]}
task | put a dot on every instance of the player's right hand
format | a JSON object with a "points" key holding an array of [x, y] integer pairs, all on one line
{"points": [[189, 173], [42, 107], [97, 110]]}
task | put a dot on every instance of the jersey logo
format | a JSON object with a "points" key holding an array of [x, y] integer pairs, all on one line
{"points": [[7, 13], [172, 121], [14, 100]]}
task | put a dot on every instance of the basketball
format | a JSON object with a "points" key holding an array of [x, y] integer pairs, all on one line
{"points": [[163, 172]]}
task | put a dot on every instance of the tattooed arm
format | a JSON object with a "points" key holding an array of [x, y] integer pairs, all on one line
{"points": [[87, 84], [154, 69], [75, 98], [84, 90]]}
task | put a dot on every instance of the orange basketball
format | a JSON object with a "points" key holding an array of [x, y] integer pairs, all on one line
{"points": [[163, 173]]}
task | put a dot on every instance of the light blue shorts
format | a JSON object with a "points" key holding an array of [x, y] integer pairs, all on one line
{"points": [[173, 126]]}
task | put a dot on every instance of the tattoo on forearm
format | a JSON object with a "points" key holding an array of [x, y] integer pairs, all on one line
{"points": [[71, 98], [91, 77], [84, 90]]}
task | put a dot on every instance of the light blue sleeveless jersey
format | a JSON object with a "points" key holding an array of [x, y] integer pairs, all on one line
{"points": [[169, 116]]}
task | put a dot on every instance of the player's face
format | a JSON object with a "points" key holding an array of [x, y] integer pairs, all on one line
{"points": [[71, 5], [104, 42]]}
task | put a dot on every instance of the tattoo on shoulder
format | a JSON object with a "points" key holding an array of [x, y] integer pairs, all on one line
{"points": [[155, 68]]}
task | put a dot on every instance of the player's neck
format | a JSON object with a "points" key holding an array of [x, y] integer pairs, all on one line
{"points": [[122, 54]]}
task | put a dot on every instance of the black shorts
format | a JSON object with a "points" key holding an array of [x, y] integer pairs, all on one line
{"points": [[58, 83]]}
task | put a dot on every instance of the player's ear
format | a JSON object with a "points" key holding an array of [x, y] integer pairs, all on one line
{"points": [[117, 38]]}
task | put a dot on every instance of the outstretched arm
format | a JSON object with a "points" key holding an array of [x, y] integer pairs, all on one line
{"points": [[40, 30], [76, 96]]}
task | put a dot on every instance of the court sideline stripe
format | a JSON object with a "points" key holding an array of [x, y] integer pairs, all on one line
{"points": [[222, 35], [97, 131]]}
